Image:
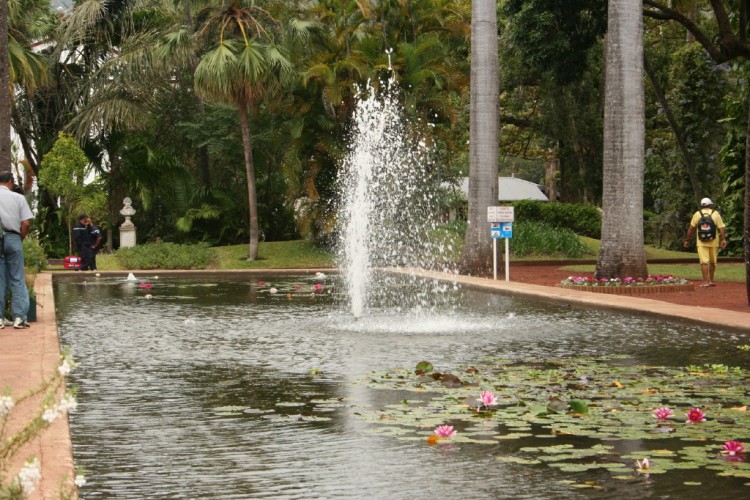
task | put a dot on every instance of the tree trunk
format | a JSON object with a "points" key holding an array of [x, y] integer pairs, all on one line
{"points": [[483, 150], [252, 201], [552, 171], [676, 130], [622, 253], [5, 93], [747, 208]]}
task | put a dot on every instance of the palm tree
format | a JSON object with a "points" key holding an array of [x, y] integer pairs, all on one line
{"points": [[622, 253], [5, 95], [246, 65], [483, 150]]}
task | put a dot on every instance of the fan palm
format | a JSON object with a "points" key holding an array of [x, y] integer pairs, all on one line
{"points": [[246, 65]]}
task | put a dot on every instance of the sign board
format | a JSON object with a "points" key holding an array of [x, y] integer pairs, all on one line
{"points": [[506, 230], [500, 214], [501, 229]]}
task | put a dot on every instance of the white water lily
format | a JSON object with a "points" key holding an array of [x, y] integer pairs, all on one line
{"points": [[80, 480]]}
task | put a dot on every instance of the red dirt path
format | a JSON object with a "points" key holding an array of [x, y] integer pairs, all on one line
{"points": [[725, 295]]}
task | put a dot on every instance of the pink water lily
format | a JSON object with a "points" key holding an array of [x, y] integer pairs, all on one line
{"points": [[445, 431], [732, 448], [662, 413], [695, 415], [644, 464], [298, 287], [317, 287], [147, 286], [261, 283], [487, 398]]}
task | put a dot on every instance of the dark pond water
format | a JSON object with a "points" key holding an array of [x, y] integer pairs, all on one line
{"points": [[217, 388]]}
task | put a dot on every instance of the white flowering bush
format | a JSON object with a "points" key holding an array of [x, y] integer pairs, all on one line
{"points": [[27, 479]]}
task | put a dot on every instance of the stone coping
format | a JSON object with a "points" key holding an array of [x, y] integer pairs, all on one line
{"points": [[635, 290]]}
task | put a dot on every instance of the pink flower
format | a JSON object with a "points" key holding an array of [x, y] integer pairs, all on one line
{"points": [[695, 415], [261, 283], [642, 464], [317, 287], [662, 413], [733, 448], [487, 398], [297, 287], [445, 431], [147, 286]]}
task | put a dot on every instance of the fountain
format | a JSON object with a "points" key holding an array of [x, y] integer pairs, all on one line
{"points": [[389, 207]]}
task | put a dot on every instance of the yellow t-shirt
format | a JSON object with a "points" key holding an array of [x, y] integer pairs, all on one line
{"points": [[717, 220]]}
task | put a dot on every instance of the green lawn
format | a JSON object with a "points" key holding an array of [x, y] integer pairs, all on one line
{"points": [[303, 254]]}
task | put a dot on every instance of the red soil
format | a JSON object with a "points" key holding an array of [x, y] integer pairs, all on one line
{"points": [[725, 295]]}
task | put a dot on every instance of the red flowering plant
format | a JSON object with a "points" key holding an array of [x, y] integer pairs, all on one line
{"points": [[651, 280]]}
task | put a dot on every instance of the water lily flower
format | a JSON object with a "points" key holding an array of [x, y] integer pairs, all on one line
{"points": [[298, 287], [147, 286], [695, 415], [445, 431], [80, 480], [261, 283], [732, 448], [317, 287], [662, 413], [487, 398], [644, 464], [149, 296], [272, 290]]}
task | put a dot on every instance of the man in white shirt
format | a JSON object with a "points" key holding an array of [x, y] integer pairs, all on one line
{"points": [[15, 217]]}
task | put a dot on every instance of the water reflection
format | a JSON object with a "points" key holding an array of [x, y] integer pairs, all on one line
{"points": [[220, 389]]}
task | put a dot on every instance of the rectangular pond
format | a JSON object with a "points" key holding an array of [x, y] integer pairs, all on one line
{"points": [[253, 387]]}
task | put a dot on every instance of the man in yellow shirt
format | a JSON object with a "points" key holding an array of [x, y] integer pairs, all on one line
{"points": [[707, 242]]}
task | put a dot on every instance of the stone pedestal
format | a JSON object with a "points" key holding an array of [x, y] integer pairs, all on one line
{"points": [[127, 234], [127, 229]]}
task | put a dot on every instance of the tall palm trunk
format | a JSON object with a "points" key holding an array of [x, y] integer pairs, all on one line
{"points": [[483, 150], [622, 253], [746, 230], [252, 199], [5, 94]]}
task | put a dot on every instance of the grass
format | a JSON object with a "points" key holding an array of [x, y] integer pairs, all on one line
{"points": [[303, 254]]}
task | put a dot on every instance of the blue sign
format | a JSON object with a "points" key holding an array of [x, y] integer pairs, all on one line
{"points": [[506, 230], [501, 229]]}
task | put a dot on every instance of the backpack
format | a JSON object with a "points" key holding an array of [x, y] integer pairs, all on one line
{"points": [[706, 227]]}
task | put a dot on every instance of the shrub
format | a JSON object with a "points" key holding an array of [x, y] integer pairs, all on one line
{"points": [[538, 238], [34, 257], [585, 220], [164, 256]]}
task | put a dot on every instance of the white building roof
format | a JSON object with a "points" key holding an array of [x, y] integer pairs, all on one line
{"points": [[512, 189]]}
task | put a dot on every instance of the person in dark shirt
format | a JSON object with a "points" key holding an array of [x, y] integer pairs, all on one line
{"points": [[88, 239]]}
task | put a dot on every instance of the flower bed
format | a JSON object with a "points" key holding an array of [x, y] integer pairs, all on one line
{"points": [[629, 286]]}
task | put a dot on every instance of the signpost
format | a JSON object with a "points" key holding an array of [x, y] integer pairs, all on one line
{"points": [[501, 226]]}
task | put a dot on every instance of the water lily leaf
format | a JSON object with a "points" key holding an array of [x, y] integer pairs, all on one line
{"points": [[450, 380], [423, 367], [579, 406], [556, 405], [518, 460]]}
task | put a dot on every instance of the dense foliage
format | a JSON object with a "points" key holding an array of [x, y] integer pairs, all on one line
{"points": [[164, 256], [585, 220], [129, 79]]}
